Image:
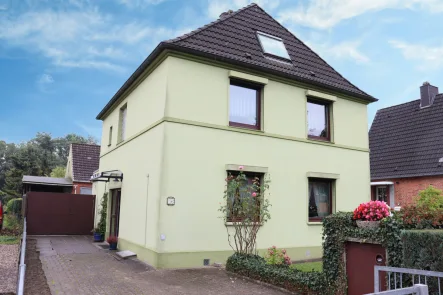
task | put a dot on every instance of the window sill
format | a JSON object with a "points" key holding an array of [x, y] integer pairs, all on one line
{"points": [[320, 140], [230, 223], [319, 222], [120, 142], [109, 145], [246, 128]]}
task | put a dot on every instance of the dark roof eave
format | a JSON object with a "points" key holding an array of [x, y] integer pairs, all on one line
{"points": [[407, 176], [163, 46]]}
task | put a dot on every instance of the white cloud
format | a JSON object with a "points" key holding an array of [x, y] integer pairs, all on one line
{"points": [[324, 14], [83, 38], [429, 57], [216, 7], [44, 82], [139, 3], [348, 50]]}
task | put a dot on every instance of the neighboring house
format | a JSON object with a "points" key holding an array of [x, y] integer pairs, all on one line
{"points": [[83, 160], [406, 148], [240, 91], [46, 184]]}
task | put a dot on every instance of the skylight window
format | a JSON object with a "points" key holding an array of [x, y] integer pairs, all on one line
{"points": [[273, 45]]}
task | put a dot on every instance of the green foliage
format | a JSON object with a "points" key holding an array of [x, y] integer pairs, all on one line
{"points": [[276, 256], [422, 249], [255, 267], [308, 266], [58, 172], [101, 227], [339, 227], [246, 208], [38, 157], [14, 206], [431, 198], [9, 240], [13, 224]]}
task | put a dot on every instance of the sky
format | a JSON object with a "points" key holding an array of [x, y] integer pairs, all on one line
{"points": [[62, 60]]}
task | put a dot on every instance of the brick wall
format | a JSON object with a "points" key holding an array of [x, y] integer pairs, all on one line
{"points": [[405, 189], [77, 185]]}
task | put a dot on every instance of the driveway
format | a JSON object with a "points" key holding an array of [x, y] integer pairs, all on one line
{"points": [[73, 265]]}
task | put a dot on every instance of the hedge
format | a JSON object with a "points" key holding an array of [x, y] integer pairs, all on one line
{"points": [[14, 206], [423, 249], [255, 267]]}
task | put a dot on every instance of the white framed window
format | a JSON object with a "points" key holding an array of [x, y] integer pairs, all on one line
{"points": [[273, 45], [110, 136]]}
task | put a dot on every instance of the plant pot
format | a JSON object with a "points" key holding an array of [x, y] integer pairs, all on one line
{"points": [[112, 246], [368, 224], [98, 237]]}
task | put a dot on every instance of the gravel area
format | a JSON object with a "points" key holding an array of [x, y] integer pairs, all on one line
{"points": [[8, 268], [35, 279]]}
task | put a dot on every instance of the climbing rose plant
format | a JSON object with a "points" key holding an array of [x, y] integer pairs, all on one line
{"points": [[372, 211], [245, 209]]}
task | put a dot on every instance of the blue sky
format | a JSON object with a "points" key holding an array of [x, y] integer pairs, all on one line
{"points": [[62, 60]]}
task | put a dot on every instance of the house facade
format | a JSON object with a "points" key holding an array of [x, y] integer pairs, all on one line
{"points": [[197, 109], [406, 148], [83, 160]]}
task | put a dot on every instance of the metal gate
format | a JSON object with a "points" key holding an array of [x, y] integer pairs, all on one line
{"points": [[59, 213]]}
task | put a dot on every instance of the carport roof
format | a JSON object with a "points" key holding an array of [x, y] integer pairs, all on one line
{"points": [[46, 180]]}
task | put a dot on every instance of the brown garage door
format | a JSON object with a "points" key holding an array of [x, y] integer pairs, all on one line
{"points": [[59, 213]]}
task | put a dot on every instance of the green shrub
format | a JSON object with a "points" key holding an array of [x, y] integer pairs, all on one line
{"points": [[422, 249], [255, 267], [430, 198], [14, 206]]}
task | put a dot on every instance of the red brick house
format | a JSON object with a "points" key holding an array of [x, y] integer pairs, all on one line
{"points": [[83, 160], [406, 148]]}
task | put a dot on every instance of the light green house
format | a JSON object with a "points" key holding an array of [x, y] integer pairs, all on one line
{"points": [[240, 91]]}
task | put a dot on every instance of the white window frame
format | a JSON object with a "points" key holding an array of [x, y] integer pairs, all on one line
{"points": [[287, 57]]}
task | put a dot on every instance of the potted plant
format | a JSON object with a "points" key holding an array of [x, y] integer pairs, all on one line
{"points": [[368, 215], [98, 236], [112, 241]]}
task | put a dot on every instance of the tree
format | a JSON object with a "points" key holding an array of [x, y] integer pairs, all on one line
{"points": [[58, 172]]}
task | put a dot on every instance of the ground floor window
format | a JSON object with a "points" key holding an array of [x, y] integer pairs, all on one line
{"points": [[320, 198], [243, 190]]}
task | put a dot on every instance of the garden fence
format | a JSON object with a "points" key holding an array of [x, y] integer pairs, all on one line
{"points": [[400, 278]]}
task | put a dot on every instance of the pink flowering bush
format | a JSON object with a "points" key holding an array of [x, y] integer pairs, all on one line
{"points": [[276, 256], [372, 211]]}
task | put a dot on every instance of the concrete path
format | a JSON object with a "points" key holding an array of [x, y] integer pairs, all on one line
{"points": [[73, 265]]}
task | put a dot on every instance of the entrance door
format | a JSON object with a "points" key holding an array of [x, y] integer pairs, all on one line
{"points": [[360, 261], [115, 212], [381, 194]]}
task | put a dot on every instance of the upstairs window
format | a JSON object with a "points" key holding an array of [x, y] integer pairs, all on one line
{"points": [[273, 45], [244, 105], [319, 120], [123, 114]]}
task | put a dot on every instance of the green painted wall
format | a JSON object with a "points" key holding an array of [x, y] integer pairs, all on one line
{"points": [[181, 139]]}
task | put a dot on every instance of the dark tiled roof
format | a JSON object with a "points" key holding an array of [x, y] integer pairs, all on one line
{"points": [[85, 160], [233, 39], [407, 141]]}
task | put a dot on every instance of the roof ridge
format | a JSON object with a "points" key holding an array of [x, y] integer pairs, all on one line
{"points": [[406, 102], [81, 143], [292, 34], [217, 21]]}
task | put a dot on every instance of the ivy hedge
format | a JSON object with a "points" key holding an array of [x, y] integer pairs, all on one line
{"points": [[339, 227], [420, 249], [255, 267]]}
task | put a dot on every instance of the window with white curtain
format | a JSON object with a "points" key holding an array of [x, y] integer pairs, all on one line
{"points": [[320, 198], [244, 105]]}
